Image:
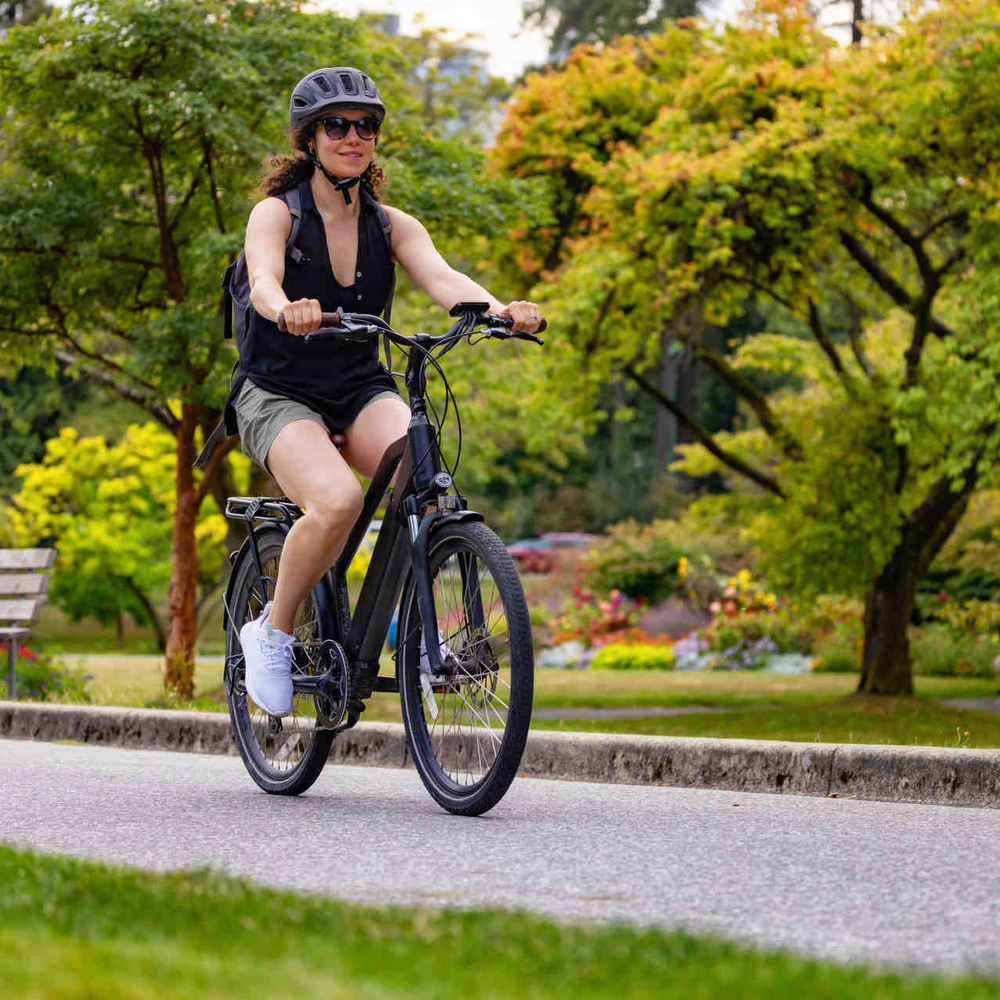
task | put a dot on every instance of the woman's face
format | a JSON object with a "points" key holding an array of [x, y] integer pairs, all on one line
{"points": [[349, 156]]}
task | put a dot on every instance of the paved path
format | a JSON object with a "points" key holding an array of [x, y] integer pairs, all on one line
{"points": [[882, 882]]}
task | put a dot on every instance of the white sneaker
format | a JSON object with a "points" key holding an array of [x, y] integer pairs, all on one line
{"points": [[445, 649], [267, 652]]}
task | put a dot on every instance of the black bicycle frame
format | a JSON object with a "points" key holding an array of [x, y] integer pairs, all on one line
{"points": [[400, 549]]}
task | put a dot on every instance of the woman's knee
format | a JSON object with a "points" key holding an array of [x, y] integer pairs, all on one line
{"points": [[336, 507]]}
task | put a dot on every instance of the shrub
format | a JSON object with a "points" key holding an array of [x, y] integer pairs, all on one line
{"points": [[633, 657], [940, 651], [747, 627], [43, 678], [640, 559], [595, 619]]}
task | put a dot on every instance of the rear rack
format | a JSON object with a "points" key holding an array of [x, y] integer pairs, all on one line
{"points": [[263, 509]]}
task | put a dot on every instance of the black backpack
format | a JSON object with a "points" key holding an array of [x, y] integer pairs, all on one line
{"points": [[236, 310]]}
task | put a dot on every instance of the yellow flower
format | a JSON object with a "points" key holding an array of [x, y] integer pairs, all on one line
{"points": [[682, 566]]}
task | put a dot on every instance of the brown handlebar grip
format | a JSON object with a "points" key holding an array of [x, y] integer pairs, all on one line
{"points": [[544, 325], [327, 319]]}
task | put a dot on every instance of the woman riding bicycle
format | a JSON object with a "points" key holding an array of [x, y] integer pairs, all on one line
{"points": [[295, 397]]}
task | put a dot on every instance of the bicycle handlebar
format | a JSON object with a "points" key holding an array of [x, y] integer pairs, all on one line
{"points": [[349, 325]]}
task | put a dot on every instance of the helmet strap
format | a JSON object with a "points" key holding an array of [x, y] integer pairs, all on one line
{"points": [[341, 184]]}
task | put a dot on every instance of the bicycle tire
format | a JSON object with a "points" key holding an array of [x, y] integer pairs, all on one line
{"points": [[468, 763], [286, 762]]}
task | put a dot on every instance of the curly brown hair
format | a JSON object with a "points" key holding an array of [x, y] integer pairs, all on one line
{"points": [[286, 172]]}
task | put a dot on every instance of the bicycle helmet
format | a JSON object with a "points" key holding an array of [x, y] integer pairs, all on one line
{"points": [[324, 90]]}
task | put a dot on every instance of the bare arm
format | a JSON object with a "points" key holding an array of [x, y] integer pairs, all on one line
{"points": [[415, 251], [268, 227]]}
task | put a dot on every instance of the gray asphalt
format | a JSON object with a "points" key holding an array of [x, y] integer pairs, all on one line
{"points": [[883, 883]]}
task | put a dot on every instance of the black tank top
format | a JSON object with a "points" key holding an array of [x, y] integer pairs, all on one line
{"points": [[321, 373]]}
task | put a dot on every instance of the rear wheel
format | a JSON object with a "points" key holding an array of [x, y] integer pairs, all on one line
{"points": [[284, 756], [467, 727]]}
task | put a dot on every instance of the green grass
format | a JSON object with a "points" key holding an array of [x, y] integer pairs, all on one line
{"points": [[812, 708], [71, 930]]}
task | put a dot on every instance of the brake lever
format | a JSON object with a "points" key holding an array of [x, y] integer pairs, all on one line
{"points": [[502, 334], [363, 334]]}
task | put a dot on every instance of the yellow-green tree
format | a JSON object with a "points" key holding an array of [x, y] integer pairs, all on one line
{"points": [[109, 511], [854, 189]]}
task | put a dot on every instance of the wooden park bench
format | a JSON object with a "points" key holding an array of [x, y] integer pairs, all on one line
{"points": [[21, 595]]}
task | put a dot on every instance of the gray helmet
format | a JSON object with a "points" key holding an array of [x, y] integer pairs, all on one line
{"points": [[325, 90]]}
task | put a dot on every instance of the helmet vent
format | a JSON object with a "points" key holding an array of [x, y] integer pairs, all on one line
{"points": [[348, 83], [321, 81]]}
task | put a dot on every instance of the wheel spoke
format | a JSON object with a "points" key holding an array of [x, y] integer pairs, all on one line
{"points": [[275, 751], [468, 751]]}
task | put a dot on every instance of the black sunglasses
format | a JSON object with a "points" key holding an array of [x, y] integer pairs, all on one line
{"points": [[337, 127]]}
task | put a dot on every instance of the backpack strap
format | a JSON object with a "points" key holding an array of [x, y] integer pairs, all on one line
{"points": [[293, 199], [227, 302], [386, 223]]}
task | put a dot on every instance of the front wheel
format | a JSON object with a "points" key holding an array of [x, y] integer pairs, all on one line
{"points": [[467, 727]]}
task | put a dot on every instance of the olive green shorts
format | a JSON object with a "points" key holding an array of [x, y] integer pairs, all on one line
{"points": [[260, 415]]}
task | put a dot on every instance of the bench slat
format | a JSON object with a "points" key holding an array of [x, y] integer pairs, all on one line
{"points": [[27, 558], [5, 632], [18, 611], [23, 583]]}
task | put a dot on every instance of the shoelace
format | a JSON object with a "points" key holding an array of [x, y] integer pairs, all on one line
{"points": [[283, 651]]}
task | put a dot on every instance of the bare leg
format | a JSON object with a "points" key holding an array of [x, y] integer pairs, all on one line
{"points": [[313, 473], [374, 429]]}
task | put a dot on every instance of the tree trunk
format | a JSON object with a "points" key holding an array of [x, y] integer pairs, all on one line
{"points": [[858, 9], [885, 662], [183, 630], [665, 429]]}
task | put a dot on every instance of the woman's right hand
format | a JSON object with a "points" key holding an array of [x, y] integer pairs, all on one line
{"points": [[302, 316]]}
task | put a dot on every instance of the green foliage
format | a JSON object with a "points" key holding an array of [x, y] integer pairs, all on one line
{"points": [[33, 406], [583, 21], [109, 511], [633, 657], [941, 651], [41, 677], [828, 627], [776, 165], [444, 81], [642, 560]]}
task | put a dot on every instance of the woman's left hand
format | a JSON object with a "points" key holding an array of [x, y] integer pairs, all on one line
{"points": [[527, 316]]}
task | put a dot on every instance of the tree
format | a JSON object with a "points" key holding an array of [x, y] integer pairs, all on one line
{"points": [[128, 153], [849, 188], [109, 511], [446, 81], [33, 406], [23, 12], [577, 21], [120, 211]]}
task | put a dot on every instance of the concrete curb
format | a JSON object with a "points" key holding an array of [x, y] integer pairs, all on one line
{"points": [[930, 775]]}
